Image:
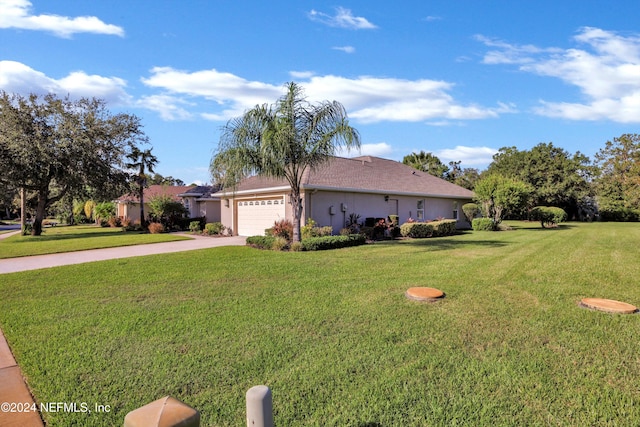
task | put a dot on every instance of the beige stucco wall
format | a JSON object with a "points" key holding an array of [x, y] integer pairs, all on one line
{"points": [[318, 205], [131, 211]]}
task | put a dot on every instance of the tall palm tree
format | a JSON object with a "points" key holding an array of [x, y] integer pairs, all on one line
{"points": [[141, 160], [283, 141]]}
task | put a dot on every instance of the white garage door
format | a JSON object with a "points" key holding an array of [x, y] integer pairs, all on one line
{"points": [[255, 216]]}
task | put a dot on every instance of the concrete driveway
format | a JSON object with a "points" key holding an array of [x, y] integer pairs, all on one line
{"points": [[35, 262]]}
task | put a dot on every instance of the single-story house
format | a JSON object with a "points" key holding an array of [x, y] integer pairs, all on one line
{"points": [[370, 187], [198, 201]]}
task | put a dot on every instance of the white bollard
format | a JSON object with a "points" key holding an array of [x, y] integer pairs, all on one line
{"points": [[259, 407]]}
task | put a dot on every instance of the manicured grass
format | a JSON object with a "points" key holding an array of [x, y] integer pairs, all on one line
{"points": [[76, 238], [333, 336]]}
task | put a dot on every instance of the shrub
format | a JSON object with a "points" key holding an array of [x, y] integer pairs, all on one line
{"points": [[194, 227], [483, 224], [185, 223], [470, 210], [282, 228], [445, 227], [261, 242], [114, 221], [620, 214], [213, 228], [419, 230], [305, 230], [416, 229], [156, 228], [332, 242], [548, 216], [279, 244], [297, 247], [311, 229]]}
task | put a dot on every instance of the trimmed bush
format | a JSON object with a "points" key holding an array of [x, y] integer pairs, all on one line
{"points": [[156, 228], [332, 242], [470, 210], [213, 228], [619, 214], [483, 224], [446, 227], [261, 242], [417, 230], [548, 216]]}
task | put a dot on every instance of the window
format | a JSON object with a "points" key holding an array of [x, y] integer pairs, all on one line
{"points": [[455, 210], [420, 211], [187, 204]]}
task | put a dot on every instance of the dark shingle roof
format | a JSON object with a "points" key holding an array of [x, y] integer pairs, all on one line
{"points": [[366, 174]]}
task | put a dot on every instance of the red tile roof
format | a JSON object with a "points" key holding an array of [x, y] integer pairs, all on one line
{"points": [[157, 190], [366, 174]]}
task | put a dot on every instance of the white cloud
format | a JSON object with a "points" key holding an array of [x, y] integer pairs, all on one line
{"points": [[17, 14], [301, 74], [432, 18], [169, 107], [19, 78], [605, 69], [367, 99], [342, 19], [234, 93], [468, 156], [372, 99], [381, 149], [345, 49]]}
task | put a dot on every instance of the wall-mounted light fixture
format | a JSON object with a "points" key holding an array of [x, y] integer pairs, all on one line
{"points": [[386, 198], [226, 203]]}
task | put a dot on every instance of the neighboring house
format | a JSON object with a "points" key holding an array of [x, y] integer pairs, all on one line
{"points": [[197, 200], [371, 187]]}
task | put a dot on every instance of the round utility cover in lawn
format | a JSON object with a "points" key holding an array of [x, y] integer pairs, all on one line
{"points": [[608, 305], [424, 294]]}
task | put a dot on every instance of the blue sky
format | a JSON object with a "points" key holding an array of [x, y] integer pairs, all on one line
{"points": [[459, 79]]}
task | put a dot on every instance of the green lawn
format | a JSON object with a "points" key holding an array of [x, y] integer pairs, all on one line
{"points": [[76, 238], [333, 336]]}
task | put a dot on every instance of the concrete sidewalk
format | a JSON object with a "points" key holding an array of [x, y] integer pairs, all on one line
{"points": [[35, 262]]}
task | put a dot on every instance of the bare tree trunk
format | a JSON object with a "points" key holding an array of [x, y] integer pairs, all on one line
{"points": [[296, 206], [23, 209], [40, 213]]}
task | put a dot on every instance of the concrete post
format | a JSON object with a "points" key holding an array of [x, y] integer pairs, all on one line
{"points": [[259, 407]]}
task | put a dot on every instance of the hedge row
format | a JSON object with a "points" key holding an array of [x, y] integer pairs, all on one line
{"points": [[332, 242], [619, 214], [418, 230], [311, 243], [261, 242]]}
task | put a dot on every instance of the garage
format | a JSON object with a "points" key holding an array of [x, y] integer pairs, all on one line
{"points": [[255, 216]]}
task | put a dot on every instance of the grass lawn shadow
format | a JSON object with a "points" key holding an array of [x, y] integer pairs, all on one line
{"points": [[444, 243]]}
